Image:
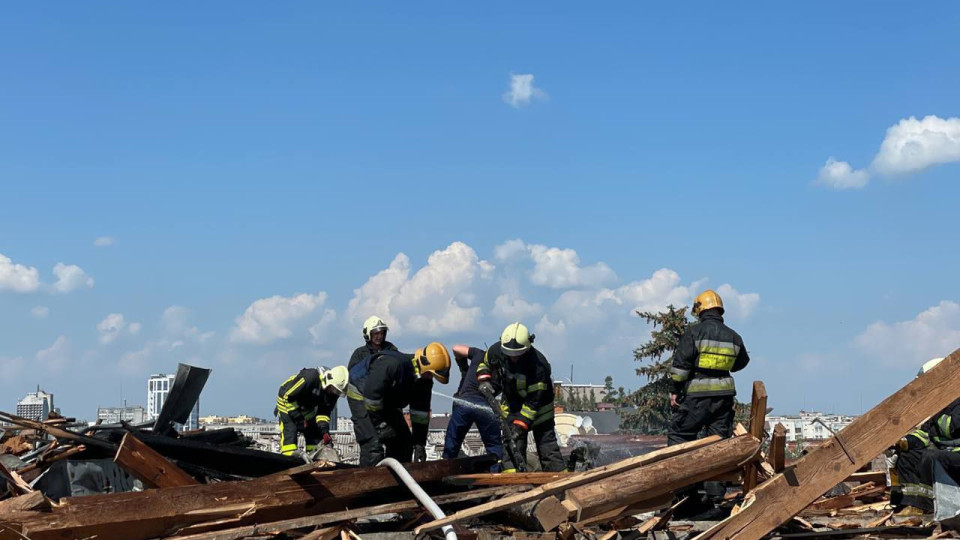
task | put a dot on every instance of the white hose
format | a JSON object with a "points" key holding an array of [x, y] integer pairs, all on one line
{"points": [[419, 493]]}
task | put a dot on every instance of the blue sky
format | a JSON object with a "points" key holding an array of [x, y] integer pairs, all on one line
{"points": [[238, 151]]}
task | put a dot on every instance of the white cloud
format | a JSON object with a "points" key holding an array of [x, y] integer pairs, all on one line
{"points": [[522, 90], [912, 145], [322, 330], [736, 304], [17, 277], [70, 278], [40, 312], [509, 307], [438, 298], [933, 332], [104, 241], [270, 319], [56, 356], [555, 267], [840, 175], [111, 327]]}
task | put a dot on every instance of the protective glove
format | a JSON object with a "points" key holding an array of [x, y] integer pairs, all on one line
{"points": [[486, 388], [903, 445], [327, 440], [385, 432], [419, 453]]}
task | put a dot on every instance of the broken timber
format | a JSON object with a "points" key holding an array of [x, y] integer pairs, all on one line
{"points": [[154, 470], [785, 495], [560, 486], [154, 513], [778, 448], [758, 414]]}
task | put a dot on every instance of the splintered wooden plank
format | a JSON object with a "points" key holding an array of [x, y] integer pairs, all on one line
{"points": [[662, 477], [778, 448], [560, 486], [785, 495], [758, 415], [501, 479], [153, 513], [154, 470]]}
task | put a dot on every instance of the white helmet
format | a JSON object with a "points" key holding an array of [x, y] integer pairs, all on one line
{"points": [[371, 325], [930, 364], [337, 378], [515, 340]]}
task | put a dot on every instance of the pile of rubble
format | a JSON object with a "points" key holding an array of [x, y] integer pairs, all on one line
{"points": [[59, 480]]}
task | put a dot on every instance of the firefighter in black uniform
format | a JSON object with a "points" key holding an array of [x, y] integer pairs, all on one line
{"points": [[936, 441], [304, 404], [390, 381], [375, 340], [521, 372], [703, 391]]}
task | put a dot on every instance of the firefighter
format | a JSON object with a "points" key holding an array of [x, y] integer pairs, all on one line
{"points": [[473, 408], [375, 340], [521, 372], [388, 381], [703, 391], [936, 440], [304, 404]]}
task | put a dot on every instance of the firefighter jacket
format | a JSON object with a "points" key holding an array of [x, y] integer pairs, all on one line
{"points": [[942, 430], [706, 355], [392, 382], [365, 350], [524, 381], [302, 398]]}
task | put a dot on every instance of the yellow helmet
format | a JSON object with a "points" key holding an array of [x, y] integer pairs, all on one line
{"points": [[337, 378], [707, 300], [435, 359], [515, 339], [371, 325]]}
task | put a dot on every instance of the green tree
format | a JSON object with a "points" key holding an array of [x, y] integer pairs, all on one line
{"points": [[652, 400], [592, 406], [608, 392]]}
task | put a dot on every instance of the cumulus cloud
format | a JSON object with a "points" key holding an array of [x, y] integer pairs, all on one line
{"points": [[176, 323], [522, 91], [70, 277], [509, 307], [113, 326], [840, 175], [104, 241], [910, 146], [737, 304], [555, 267], [270, 319], [438, 298], [56, 356], [322, 330], [40, 312], [17, 277], [933, 332]]}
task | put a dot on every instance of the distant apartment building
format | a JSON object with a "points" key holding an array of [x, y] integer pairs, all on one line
{"points": [[114, 415], [810, 426], [158, 387], [36, 405], [587, 393]]}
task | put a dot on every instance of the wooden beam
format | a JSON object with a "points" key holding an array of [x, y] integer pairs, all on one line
{"points": [[778, 448], [560, 486], [154, 470], [758, 414], [662, 477], [153, 513], [789, 492], [500, 479], [651, 505], [277, 527], [877, 477]]}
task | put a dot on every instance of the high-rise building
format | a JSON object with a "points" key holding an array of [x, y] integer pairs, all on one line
{"points": [[36, 405], [158, 386]]}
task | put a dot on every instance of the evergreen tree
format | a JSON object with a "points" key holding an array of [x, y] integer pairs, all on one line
{"points": [[592, 406], [608, 389]]}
